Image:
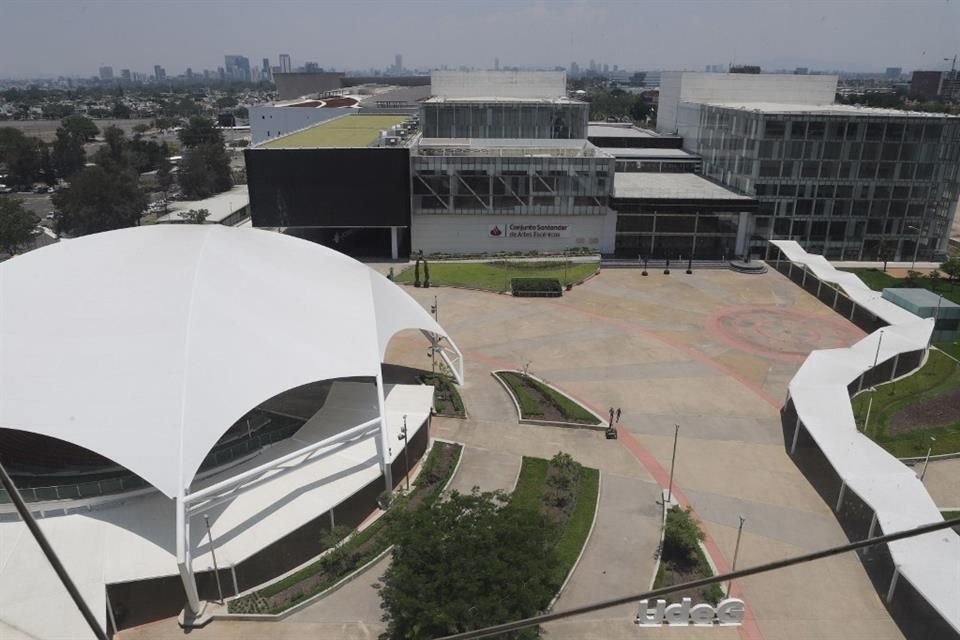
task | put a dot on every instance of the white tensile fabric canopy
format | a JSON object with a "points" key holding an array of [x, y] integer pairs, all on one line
{"points": [[145, 345], [931, 563]]}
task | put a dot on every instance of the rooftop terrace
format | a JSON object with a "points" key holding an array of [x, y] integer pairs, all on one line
{"points": [[350, 131]]}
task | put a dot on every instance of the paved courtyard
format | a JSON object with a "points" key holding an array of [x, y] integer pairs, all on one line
{"points": [[712, 352]]}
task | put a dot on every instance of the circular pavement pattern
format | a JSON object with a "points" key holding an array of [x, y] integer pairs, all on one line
{"points": [[779, 333]]}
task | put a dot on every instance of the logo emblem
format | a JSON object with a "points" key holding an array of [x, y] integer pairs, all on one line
{"points": [[496, 230]]}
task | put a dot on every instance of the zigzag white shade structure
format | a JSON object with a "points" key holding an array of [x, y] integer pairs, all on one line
{"points": [[898, 499], [145, 345]]}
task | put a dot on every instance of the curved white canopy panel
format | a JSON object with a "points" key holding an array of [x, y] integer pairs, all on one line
{"points": [[145, 345]]}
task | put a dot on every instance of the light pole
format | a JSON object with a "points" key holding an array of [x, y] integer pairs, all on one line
{"points": [[406, 454], [916, 245], [736, 552], [213, 554], [673, 459], [866, 422], [926, 460]]}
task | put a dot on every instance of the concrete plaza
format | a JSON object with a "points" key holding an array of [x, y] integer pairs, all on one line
{"points": [[712, 352]]}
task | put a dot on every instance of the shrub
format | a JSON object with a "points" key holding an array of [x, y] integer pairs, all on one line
{"points": [[681, 536], [536, 287]]}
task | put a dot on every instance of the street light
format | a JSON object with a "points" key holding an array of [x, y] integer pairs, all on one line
{"points": [[866, 422], [673, 459], [736, 552], [406, 454], [926, 460], [916, 245]]}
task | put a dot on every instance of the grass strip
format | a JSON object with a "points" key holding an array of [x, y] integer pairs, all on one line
{"points": [[495, 276], [575, 533]]}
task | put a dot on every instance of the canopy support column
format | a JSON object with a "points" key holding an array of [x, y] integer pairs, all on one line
{"points": [[184, 563], [385, 449]]}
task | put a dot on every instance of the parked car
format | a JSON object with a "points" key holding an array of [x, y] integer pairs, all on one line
{"points": [[5, 189]]}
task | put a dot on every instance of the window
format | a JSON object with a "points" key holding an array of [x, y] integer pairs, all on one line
{"points": [[775, 129], [815, 130], [798, 130], [875, 131]]}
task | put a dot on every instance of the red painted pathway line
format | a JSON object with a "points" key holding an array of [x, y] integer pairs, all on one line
{"points": [[749, 630]]}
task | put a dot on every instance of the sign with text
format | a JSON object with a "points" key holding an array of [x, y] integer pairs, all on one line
{"points": [[532, 230], [727, 613]]}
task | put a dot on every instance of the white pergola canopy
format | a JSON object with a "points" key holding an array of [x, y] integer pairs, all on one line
{"points": [[145, 345]]}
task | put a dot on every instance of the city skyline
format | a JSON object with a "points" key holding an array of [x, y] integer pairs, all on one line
{"points": [[81, 37]]}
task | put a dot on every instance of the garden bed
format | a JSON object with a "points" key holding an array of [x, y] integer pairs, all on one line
{"points": [[566, 494], [682, 558], [538, 401], [340, 561], [536, 288], [906, 414], [446, 399]]}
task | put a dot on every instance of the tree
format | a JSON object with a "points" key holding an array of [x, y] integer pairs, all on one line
{"points": [[17, 226], [68, 156], [21, 154], [205, 171], [884, 253], [99, 200], [199, 131], [164, 180], [194, 216], [120, 111], [81, 127], [465, 562], [951, 267], [226, 102], [141, 128]]}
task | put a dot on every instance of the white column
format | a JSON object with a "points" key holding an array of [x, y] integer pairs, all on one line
{"points": [[184, 563], [384, 439], [796, 436], [893, 584], [394, 251], [843, 490]]}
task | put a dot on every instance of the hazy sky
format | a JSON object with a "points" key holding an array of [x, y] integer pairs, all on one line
{"points": [[76, 36]]}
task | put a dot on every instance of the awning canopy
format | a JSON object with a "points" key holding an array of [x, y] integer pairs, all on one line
{"points": [[145, 345]]}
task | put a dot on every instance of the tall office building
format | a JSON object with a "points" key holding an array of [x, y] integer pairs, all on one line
{"points": [[285, 66], [843, 181], [893, 73], [265, 72], [398, 63], [159, 73], [106, 74], [125, 75], [237, 67]]}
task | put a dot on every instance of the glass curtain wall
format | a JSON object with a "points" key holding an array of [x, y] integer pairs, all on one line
{"points": [[840, 185], [551, 120]]}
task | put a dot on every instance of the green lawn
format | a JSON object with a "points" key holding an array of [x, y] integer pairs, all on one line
{"points": [[495, 276], [530, 493], [950, 515], [878, 280], [939, 375]]}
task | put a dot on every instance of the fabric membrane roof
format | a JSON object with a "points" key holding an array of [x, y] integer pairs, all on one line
{"points": [[145, 345]]}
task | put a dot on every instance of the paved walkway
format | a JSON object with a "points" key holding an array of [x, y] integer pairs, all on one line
{"points": [[486, 469], [943, 482]]}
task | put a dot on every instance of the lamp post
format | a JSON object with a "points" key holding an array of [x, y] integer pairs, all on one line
{"points": [[926, 460], [406, 454], [213, 554], [673, 459], [916, 245], [736, 552], [866, 421]]}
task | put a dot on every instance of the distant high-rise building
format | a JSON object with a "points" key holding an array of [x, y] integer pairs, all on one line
{"points": [[893, 73], [574, 68], [398, 62], [496, 64], [606, 68], [285, 66], [159, 73], [189, 73], [311, 67], [801, 71], [265, 70], [125, 75], [745, 68], [106, 74], [616, 67], [237, 67]]}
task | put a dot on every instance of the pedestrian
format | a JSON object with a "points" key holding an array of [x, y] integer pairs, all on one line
{"points": [[611, 416], [618, 415]]}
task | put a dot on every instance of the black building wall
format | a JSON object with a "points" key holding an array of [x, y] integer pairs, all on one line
{"points": [[345, 188]]}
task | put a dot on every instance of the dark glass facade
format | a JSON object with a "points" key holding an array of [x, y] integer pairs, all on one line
{"points": [[840, 184], [552, 119]]}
